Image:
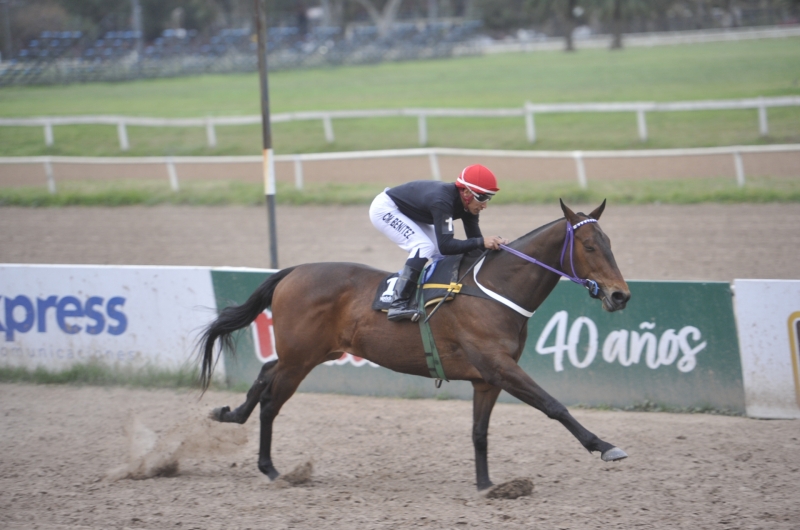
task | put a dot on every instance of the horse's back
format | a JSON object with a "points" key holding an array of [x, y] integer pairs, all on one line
{"points": [[327, 277], [321, 287]]}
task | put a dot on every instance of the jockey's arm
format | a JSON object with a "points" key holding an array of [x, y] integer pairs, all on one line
{"points": [[448, 244]]}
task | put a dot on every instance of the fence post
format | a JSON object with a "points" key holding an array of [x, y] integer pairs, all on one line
{"points": [[435, 173], [298, 173], [530, 125], [48, 133], [763, 126], [211, 134], [641, 122], [328, 125], [578, 156], [173, 175], [739, 165], [48, 170], [122, 133], [422, 127]]}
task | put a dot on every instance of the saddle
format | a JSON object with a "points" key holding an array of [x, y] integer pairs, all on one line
{"points": [[437, 281]]}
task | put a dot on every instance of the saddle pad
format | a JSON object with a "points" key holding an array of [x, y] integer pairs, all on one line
{"points": [[385, 292]]}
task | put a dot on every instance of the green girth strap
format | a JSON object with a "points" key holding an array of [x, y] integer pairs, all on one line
{"points": [[431, 352]]}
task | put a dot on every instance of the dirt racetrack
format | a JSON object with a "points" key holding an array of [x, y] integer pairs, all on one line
{"points": [[650, 242], [380, 463], [384, 463]]}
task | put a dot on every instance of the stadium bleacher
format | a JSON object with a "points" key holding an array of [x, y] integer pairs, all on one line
{"points": [[229, 49], [49, 45], [111, 46]]}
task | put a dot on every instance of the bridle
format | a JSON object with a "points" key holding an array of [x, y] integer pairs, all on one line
{"points": [[569, 241]]}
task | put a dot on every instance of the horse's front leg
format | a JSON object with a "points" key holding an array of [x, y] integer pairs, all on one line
{"points": [[501, 370], [484, 398]]}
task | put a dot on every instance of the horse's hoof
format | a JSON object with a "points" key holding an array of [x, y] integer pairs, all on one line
{"points": [[269, 470], [614, 454], [217, 413]]}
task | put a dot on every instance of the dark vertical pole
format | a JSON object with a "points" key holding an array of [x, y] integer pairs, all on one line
{"points": [[7, 52], [136, 22], [266, 130]]}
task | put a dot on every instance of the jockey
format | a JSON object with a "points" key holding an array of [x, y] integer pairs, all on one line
{"points": [[418, 216]]}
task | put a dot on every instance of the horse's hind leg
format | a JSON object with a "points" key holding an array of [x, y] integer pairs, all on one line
{"points": [[243, 411], [281, 384], [484, 398]]}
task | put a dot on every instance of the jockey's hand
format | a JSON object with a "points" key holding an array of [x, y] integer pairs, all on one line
{"points": [[494, 242]]}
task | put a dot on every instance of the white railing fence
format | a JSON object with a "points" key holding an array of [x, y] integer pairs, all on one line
{"points": [[171, 163], [528, 111]]}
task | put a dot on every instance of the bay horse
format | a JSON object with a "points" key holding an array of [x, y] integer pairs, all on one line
{"points": [[322, 310]]}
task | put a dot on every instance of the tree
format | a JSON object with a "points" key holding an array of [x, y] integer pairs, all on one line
{"points": [[26, 20], [617, 13], [566, 14], [505, 14], [333, 12], [384, 18]]}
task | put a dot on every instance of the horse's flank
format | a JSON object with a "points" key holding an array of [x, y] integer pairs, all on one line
{"points": [[336, 308]]}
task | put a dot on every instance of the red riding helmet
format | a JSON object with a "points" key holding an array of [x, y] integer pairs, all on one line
{"points": [[479, 180]]}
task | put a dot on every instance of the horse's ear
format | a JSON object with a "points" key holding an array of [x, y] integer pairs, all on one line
{"points": [[598, 211], [568, 214]]}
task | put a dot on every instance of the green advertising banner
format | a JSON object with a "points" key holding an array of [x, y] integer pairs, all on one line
{"points": [[234, 287], [675, 345]]}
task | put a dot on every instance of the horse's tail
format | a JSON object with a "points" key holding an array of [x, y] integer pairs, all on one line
{"points": [[233, 318]]}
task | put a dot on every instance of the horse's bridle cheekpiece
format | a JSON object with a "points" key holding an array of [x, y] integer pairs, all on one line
{"points": [[569, 240]]}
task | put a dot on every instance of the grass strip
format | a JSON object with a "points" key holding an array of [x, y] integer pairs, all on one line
{"points": [[102, 374], [722, 70], [223, 193]]}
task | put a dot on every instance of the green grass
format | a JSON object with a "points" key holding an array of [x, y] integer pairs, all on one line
{"points": [[683, 191], [667, 73], [101, 374]]}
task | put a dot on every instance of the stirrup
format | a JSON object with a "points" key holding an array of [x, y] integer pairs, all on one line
{"points": [[399, 314]]}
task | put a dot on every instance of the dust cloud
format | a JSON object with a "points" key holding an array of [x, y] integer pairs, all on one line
{"points": [[151, 455]]}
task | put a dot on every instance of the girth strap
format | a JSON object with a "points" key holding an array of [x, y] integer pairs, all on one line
{"points": [[428, 342], [453, 287]]}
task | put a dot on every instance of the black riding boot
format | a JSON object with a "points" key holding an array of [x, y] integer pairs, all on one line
{"points": [[403, 303]]}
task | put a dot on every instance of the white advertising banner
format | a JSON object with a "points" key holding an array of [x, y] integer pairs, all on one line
{"points": [[57, 315], [768, 322]]}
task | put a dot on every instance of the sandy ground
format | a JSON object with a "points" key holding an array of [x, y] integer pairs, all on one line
{"points": [[380, 463], [68, 453]]}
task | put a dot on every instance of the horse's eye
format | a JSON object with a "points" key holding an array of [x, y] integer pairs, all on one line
{"points": [[589, 249]]}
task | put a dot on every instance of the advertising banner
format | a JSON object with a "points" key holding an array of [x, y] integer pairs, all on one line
{"points": [[675, 346], [57, 315], [254, 346], [768, 316]]}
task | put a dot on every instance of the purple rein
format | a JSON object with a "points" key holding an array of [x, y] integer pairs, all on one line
{"points": [[568, 241]]}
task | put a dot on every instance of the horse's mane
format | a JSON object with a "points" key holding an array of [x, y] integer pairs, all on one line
{"points": [[520, 241], [533, 233]]}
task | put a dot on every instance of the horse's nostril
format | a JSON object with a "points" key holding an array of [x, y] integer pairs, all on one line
{"points": [[620, 297]]}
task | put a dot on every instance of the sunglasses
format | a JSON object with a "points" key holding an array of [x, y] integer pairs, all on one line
{"points": [[481, 197]]}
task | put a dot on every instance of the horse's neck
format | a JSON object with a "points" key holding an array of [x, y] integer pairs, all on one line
{"points": [[526, 283]]}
